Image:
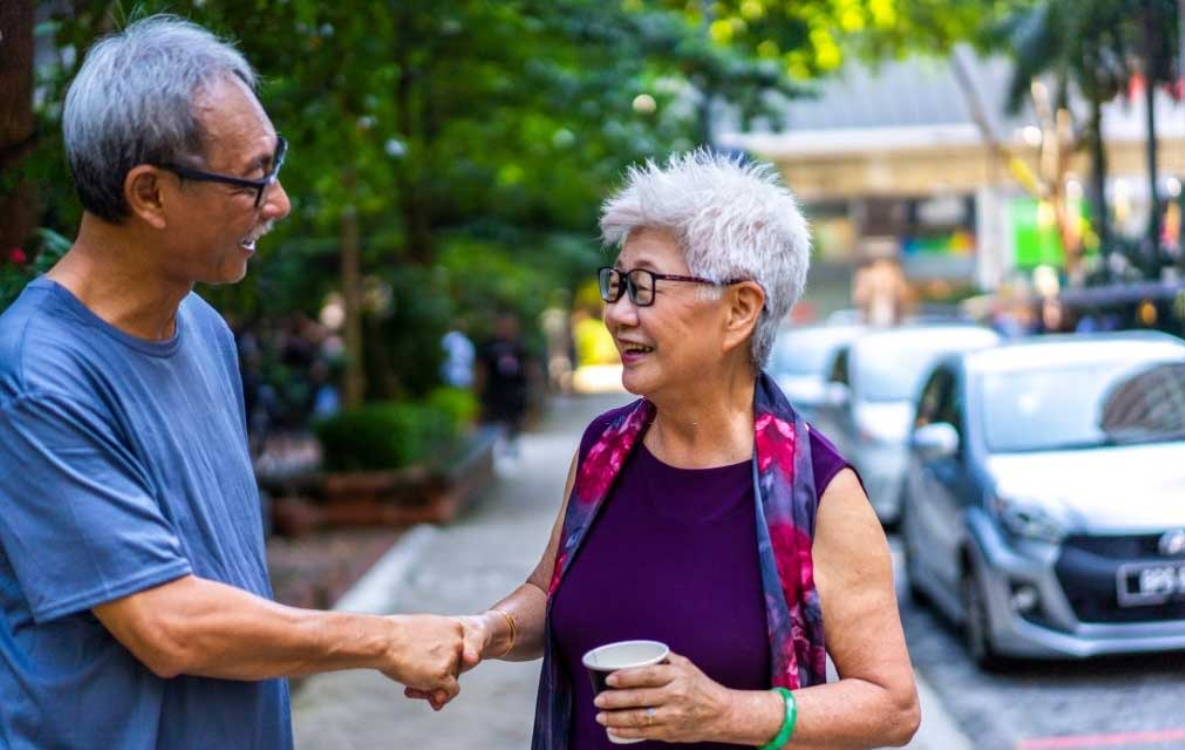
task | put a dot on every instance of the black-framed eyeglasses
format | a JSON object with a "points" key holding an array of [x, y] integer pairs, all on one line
{"points": [[260, 186], [640, 284]]}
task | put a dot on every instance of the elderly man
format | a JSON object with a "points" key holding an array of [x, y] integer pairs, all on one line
{"points": [[135, 605]]}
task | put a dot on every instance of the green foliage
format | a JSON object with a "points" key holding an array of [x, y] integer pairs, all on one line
{"points": [[474, 140], [16, 270], [384, 435], [408, 310], [809, 39], [459, 404]]}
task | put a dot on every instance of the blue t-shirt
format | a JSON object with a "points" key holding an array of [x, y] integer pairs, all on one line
{"points": [[123, 465]]}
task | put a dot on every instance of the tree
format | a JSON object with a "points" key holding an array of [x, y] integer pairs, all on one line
{"points": [[17, 134], [1079, 45], [418, 134], [1152, 29]]}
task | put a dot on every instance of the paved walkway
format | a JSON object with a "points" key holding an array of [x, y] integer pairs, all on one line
{"points": [[462, 569]]}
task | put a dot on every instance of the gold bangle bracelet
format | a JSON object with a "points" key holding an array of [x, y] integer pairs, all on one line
{"points": [[513, 632]]}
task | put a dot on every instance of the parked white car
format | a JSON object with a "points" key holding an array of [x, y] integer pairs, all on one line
{"points": [[870, 405], [1044, 504], [802, 358]]}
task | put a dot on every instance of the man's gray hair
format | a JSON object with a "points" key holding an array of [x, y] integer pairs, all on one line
{"points": [[132, 103], [731, 220]]}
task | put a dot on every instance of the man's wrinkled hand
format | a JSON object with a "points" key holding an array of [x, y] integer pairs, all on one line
{"points": [[476, 639], [427, 654]]}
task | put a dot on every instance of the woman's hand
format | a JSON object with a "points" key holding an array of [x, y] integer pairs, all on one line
{"points": [[673, 702], [477, 636]]}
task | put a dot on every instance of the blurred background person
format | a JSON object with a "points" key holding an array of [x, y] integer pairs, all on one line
{"points": [[459, 357], [502, 380]]}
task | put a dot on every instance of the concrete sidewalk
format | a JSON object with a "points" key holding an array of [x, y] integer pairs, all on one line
{"points": [[462, 569]]}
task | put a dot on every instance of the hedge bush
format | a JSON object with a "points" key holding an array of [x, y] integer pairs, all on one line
{"points": [[384, 435], [459, 404]]}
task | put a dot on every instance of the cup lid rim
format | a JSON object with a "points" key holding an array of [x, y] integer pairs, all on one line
{"points": [[665, 651]]}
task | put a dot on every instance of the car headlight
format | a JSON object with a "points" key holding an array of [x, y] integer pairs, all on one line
{"points": [[1027, 518]]}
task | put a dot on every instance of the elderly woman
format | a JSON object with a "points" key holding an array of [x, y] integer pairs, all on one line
{"points": [[707, 514]]}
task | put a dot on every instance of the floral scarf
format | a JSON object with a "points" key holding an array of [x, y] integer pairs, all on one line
{"points": [[785, 494]]}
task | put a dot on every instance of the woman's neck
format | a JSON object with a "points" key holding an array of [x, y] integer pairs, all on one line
{"points": [[712, 427]]}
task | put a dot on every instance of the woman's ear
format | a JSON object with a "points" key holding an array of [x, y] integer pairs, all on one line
{"points": [[746, 301]]}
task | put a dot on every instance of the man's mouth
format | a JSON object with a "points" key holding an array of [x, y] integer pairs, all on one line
{"points": [[248, 242]]}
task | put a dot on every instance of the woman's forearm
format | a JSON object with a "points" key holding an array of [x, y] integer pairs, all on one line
{"points": [[854, 713], [527, 605], [846, 714], [752, 717]]}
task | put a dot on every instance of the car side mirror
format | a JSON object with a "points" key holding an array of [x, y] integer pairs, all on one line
{"points": [[837, 395], [935, 441]]}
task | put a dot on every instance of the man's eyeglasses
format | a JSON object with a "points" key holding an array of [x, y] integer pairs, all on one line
{"points": [[260, 186], [640, 283]]}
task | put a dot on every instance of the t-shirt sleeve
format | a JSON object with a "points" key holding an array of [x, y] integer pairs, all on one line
{"points": [[826, 462], [78, 521]]}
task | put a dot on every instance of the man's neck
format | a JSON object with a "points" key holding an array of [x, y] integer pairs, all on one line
{"points": [[110, 270]]}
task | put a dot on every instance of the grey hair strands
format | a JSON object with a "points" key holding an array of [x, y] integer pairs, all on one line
{"points": [[731, 219], [131, 103]]}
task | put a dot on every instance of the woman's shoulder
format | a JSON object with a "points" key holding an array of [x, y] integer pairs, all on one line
{"points": [[826, 460], [821, 444]]}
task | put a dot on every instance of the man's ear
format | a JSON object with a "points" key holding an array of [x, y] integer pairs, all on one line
{"points": [[144, 189], [745, 303]]}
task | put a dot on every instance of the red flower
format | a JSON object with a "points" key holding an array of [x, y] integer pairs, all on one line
{"points": [[16, 256]]}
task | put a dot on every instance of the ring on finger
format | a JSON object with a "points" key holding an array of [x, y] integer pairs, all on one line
{"points": [[649, 714]]}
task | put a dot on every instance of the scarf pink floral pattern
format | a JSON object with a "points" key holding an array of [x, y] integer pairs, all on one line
{"points": [[785, 495]]}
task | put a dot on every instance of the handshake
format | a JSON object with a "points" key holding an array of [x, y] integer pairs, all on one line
{"points": [[428, 653]]}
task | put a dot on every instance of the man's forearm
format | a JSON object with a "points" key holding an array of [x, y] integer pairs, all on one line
{"points": [[240, 636], [200, 627]]}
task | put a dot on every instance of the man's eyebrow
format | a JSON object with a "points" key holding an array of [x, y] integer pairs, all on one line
{"points": [[262, 161]]}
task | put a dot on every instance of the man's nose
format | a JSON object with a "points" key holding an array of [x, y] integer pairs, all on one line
{"points": [[276, 204]]}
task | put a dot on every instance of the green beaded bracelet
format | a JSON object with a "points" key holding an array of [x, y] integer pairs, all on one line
{"points": [[787, 730]]}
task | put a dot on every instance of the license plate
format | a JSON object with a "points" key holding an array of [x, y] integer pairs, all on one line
{"points": [[1145, 584]]}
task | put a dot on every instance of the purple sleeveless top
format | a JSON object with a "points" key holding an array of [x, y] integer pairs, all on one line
{"points": [[672, 557]]}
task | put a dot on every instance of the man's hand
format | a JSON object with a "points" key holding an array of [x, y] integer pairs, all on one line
{"points": [[476, 640], [427, 653]]}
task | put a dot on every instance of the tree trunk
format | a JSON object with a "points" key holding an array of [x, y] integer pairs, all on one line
{"points": [[17, 209], [351, 252], [1098, 177], [412, 120]]}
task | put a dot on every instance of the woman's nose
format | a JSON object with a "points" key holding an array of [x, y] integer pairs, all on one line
{"points": [[623, 312]]}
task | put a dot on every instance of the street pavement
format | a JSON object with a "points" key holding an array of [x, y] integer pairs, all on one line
{"points": [[1119, 703], [464, 568]]}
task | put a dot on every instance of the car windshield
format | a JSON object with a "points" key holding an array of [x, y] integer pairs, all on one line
{"points": [[891, 368], [1085, 406], [807, 351]]}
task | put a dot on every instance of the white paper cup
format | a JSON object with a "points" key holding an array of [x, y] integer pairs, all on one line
{"points": [[604, 660]]}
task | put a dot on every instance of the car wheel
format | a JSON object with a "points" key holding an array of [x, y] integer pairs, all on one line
{"points": [[976, 630]]}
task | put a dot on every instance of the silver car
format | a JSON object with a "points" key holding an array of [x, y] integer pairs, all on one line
{"points": [[802, 358], [870, 405], [1044, 502]]}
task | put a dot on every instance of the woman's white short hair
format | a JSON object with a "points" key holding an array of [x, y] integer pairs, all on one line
{"points": [[731, 219], [132, 103]]}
